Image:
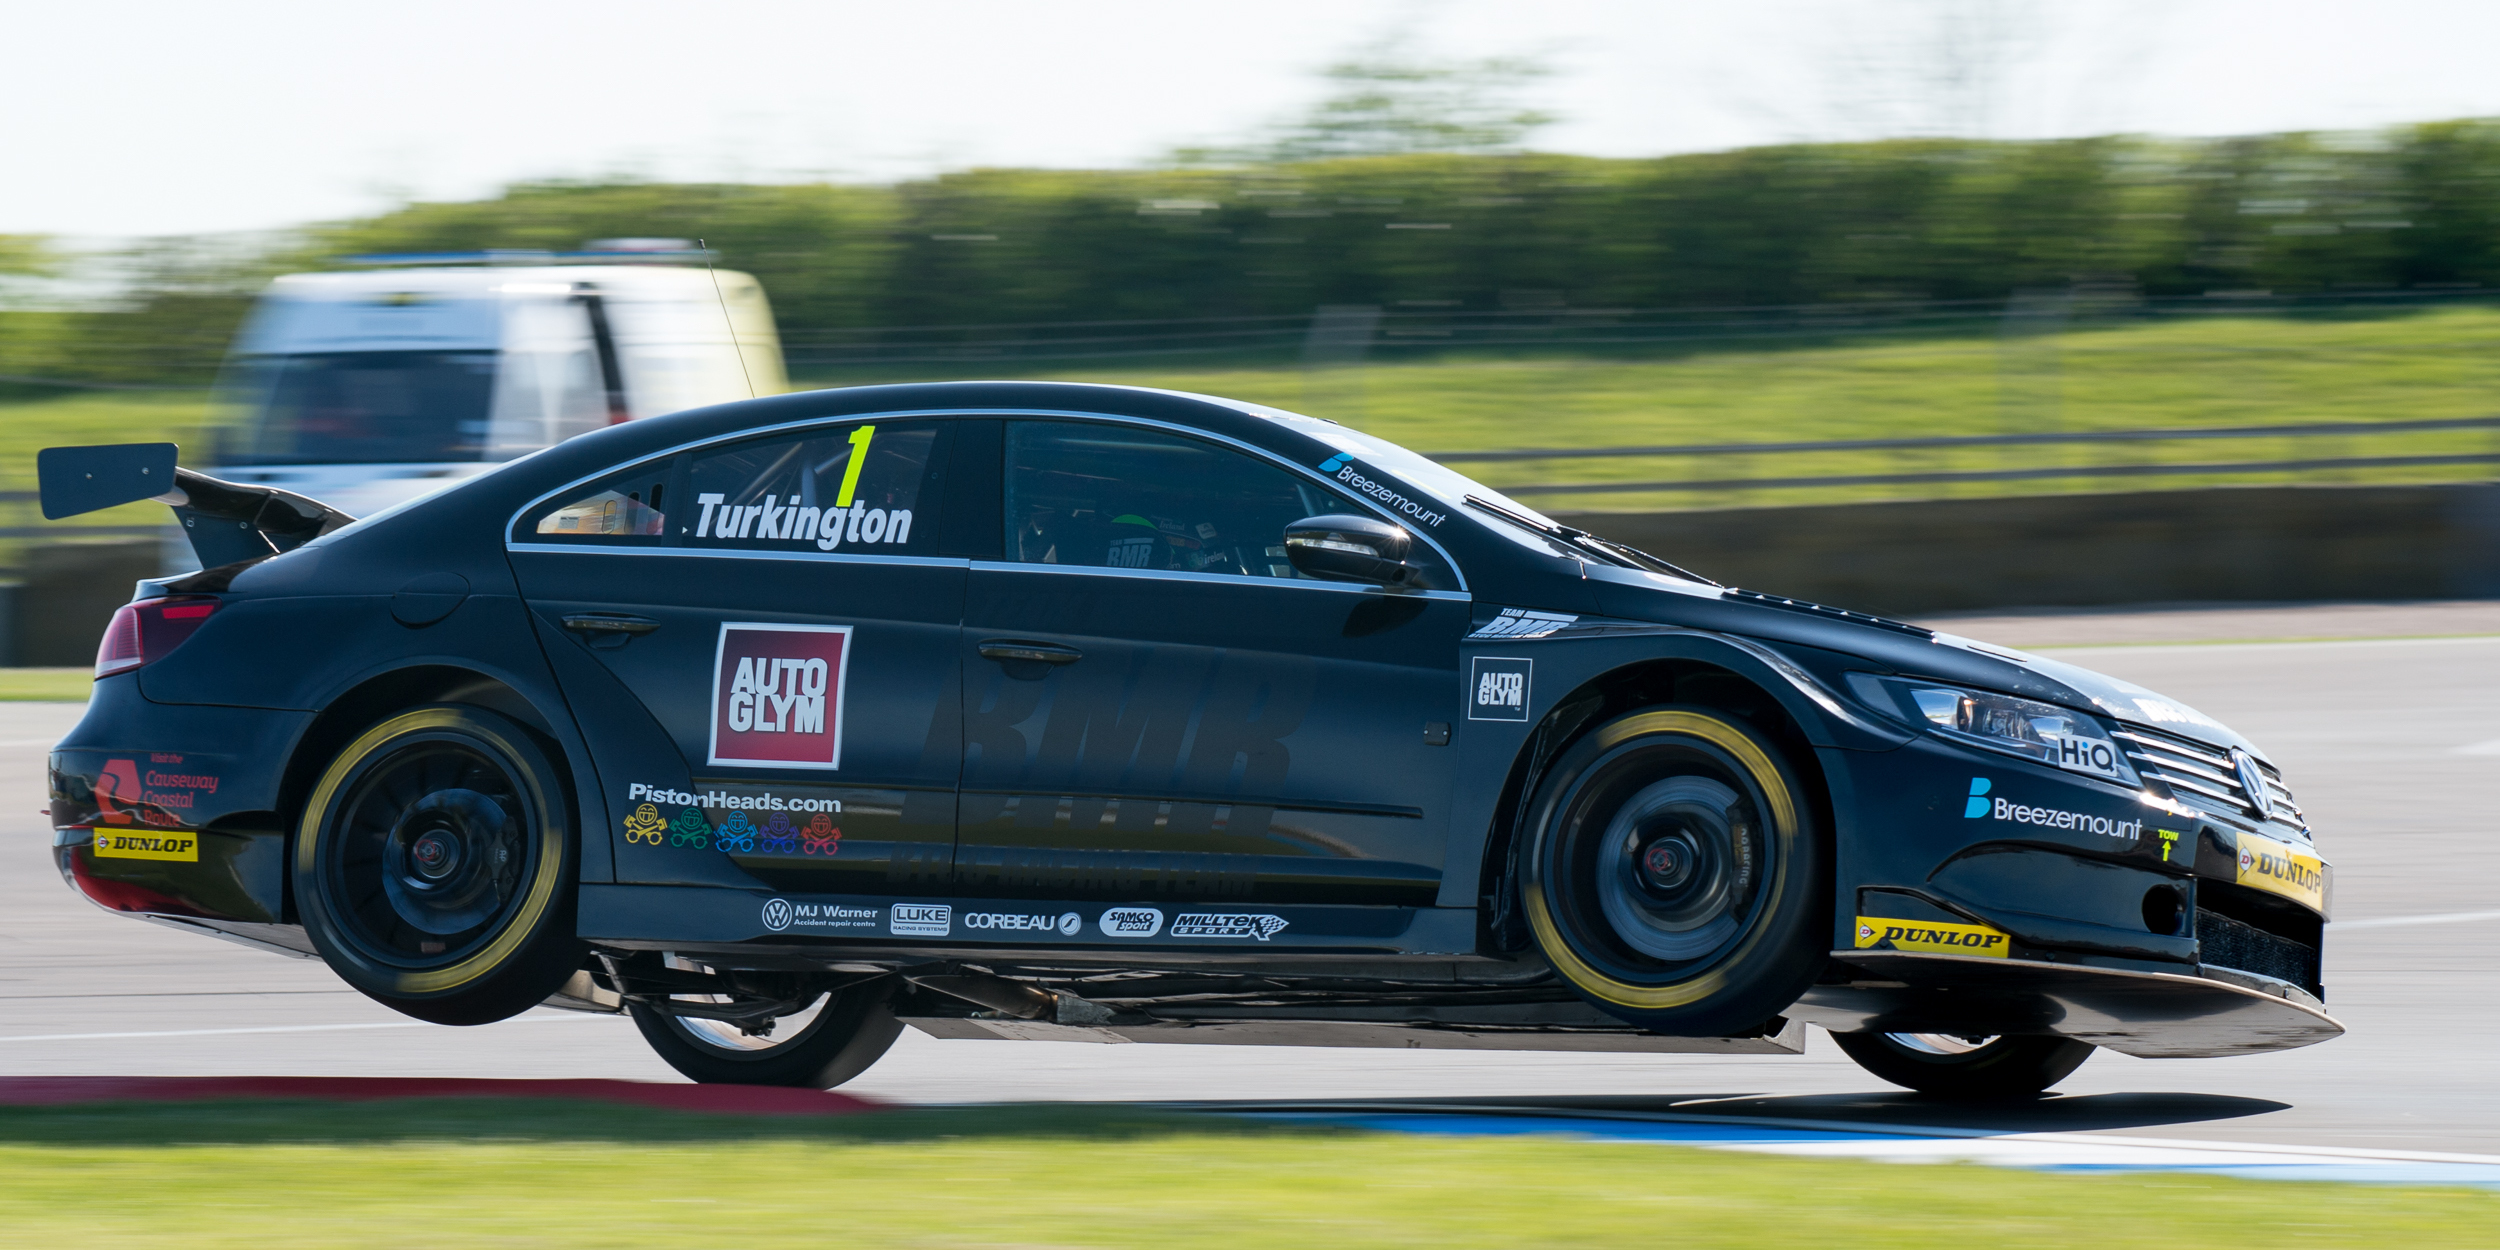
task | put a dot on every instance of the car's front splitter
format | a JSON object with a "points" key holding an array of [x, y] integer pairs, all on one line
{"points": [[2152, 1015]]}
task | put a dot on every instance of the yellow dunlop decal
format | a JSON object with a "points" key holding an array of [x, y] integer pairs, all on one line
{"points": [[1930, 937], [2280, 868], [181, 844]]}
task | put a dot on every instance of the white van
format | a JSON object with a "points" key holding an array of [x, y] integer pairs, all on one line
{"points": [[369, 387]]}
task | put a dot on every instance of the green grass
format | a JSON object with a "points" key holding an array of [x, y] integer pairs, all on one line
{"points": [[45, 685], [28, 426], [2217, 371], [553, 1174]]}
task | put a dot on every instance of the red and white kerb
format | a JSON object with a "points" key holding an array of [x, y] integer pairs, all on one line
{"points": [[777, 695]]}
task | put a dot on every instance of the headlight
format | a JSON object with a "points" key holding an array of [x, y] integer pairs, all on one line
{"points": [[2000, 722]]}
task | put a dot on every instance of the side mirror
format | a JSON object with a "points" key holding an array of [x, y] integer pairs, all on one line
{"points": [[1343, 548]]}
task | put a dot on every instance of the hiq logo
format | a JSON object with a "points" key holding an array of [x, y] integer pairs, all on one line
{"points": [[1978, 805], [1335, 462]]}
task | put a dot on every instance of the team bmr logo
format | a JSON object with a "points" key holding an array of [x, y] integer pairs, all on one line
{"points": [[777, 695], [1498, 688]]}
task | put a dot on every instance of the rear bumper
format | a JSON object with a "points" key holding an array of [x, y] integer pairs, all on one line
{"points": [[173, 810], [2152, 1015]]}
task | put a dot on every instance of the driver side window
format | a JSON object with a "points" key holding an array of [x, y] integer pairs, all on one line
{"points": [[1110, 496]]}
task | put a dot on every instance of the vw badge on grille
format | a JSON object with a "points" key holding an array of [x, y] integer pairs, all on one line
{"points": [[2253, 779]]}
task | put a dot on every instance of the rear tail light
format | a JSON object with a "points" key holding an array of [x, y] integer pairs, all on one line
{"points": [[146, 630]]}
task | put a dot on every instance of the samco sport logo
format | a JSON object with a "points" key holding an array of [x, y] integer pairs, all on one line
{"points": [[1931, 937], [115, 844], [777, 695], [2276, 868]]}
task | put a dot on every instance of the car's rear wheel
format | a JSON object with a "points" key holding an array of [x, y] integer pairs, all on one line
{"points": [[1950, 1065], [1676, 875], [433, 866], [831, 1039]]}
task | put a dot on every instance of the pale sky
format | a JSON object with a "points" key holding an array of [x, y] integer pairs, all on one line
{"points": [[142, 117]]}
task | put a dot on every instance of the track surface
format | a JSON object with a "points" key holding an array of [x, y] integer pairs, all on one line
{"points": [[2392, 746]]}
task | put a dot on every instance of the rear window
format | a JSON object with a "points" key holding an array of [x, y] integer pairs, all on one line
{"points": [[368, 408]]}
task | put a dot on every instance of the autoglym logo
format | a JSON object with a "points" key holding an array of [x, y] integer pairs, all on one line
{"points": [[777, 695], [1978, 805], [1498, 688]]}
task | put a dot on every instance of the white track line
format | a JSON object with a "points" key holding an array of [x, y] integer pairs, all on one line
{"points": [[2389, 922], [284, 1028]]}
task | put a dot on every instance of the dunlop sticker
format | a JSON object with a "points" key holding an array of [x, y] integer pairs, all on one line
{"points": [[180, 844], [1930, 937], [2280, 868]]}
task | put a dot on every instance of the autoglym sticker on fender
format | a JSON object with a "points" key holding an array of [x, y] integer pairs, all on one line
{"points": [[2275, 867], [777, 695], [1930, 937]]}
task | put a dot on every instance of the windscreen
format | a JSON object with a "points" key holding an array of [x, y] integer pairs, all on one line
{"points": [[366, 408]]}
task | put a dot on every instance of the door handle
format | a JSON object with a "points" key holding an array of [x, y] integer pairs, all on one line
{"points": [[1005, 649], [609, 624]]}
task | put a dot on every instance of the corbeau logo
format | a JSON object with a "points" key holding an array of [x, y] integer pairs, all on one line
{"points": [[777, 695], [1022, 922], [1931, 937]]}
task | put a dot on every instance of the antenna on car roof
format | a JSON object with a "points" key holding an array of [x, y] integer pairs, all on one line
{"points": [[725, 320]]}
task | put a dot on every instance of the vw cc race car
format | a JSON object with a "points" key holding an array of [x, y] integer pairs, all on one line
{"points": [[1042, 711]]}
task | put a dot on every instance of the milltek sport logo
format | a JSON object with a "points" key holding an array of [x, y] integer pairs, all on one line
{"points": [[777, 695], [1342, 468], [1201, 925]]}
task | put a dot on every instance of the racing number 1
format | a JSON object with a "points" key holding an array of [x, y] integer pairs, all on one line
{"points": [[859, 457]]}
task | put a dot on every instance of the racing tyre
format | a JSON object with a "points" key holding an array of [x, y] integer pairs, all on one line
{"points": [[1676, 875], [434, 866], [1973, 1068], [826, 1043]]}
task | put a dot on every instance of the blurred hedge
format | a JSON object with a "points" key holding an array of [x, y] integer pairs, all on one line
{"points": [[2407, 208]]}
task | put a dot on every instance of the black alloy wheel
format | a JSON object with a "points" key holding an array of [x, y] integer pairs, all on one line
{"points": [[1676, 875], [831, 1039], [1973, 1068], [434, 866]]}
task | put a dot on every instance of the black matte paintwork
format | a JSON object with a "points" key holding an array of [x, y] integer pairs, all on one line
{"points": [[1227, 748]]}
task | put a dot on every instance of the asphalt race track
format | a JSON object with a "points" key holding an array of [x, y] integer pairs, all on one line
{"points": [[2391, 741]]}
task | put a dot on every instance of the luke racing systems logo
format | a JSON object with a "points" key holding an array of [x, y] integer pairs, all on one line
{"points": [[1341, 467], [777, 695]]}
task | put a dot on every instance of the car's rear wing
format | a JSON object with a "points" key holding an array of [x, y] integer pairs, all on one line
{"points": [[227, 522]]}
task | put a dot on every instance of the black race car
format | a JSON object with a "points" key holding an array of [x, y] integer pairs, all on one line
{"points": [[1053, 711]]}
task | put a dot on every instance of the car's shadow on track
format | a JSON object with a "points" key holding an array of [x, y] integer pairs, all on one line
{"points": [[1872, 1112]]}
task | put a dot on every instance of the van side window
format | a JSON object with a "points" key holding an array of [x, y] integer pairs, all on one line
{"points": [[865, 489], [627, 506], [1115, 496]]}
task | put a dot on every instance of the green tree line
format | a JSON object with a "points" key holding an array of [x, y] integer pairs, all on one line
{"points": [[1829, 224]]}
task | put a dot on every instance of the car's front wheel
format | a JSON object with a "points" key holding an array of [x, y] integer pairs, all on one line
{"points": [[433, 866], [1675, 873], [831, 1038], [1950, 1065]]}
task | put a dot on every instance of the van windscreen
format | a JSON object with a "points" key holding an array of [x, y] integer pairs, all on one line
{"points": [[368, 408]]}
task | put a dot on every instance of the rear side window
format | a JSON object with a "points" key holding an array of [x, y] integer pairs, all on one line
{"points": [[866, 489], [1115, 496], [629, 509]]}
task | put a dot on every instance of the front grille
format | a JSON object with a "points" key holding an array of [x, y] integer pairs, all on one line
{"points": [[2226, 943], [2199, 775]]}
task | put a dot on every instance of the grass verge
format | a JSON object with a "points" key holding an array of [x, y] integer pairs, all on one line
{"points": [[46, 685], [562, 1174]]}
